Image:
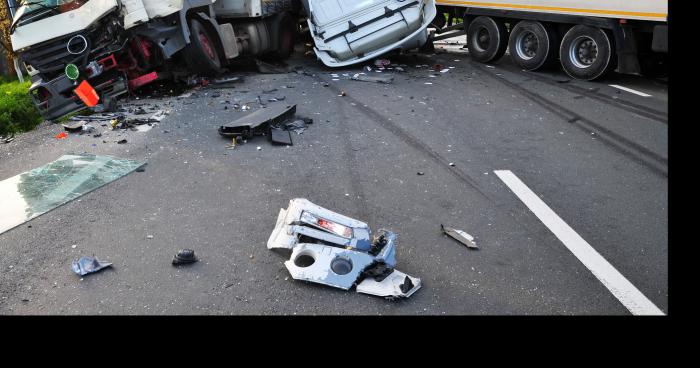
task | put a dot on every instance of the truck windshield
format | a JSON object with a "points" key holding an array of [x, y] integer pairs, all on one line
{"points": [[33, 10]]}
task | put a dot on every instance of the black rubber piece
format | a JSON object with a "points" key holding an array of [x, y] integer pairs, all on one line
{"points": [[605, 53], [487, 39], [546, 45], [185, 256], [407, 285], [195, 55]]}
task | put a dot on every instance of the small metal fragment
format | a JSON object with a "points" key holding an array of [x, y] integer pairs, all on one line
{"points": [[460, 236]]}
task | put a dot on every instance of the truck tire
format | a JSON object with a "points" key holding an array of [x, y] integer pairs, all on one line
{"points": [[487, 39], [586, 52], [533, 45], [201, 55], [284, 34]]}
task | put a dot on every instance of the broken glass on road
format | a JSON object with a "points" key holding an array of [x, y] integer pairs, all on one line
{"points": [[32, 193]]}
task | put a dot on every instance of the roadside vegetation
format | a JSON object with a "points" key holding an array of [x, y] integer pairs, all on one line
{"points": [[17, 112]]}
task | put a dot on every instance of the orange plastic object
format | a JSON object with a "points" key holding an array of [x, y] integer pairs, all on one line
{"points": [[61, 135], [87, 94]]}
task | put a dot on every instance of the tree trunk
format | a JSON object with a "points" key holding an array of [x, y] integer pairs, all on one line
{"points": [[5, 23]]}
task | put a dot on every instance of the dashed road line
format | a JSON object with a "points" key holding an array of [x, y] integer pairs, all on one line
{"points": [[630, 90]]}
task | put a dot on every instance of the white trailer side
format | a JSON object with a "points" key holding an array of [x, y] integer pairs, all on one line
{"points": [[588, 38]]}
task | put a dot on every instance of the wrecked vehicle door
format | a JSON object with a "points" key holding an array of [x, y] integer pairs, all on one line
{"points": [[348, 31]]}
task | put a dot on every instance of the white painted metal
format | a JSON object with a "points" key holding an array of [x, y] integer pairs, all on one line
{"points": [[375, 36], [623, 9], [61, 24]]}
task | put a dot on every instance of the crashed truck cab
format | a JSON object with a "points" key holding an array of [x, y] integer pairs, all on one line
{"points": [[114, 45], [349, 31]]}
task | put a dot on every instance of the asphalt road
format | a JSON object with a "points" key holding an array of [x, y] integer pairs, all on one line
{"points": [[595, 154]]}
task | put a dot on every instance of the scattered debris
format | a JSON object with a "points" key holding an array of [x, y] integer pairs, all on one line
{"points": [[421, 173], [280, 136], [8, 139], [87, 265], [382, 63], [227, 80], [74, 127], [386, 78], [297, 126], [259, 122], [123, 141], [336, 250], [185, 256], [61, 135], [460, 236]]}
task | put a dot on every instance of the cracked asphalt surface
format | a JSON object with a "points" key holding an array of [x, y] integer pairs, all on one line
{"points": [[596, 155]]}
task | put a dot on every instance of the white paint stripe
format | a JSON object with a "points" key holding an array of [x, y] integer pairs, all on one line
{"points": [[619, 286], [630, 90]]}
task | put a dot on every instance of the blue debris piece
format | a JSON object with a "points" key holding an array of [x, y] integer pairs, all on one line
{"points": [[86, 265]]}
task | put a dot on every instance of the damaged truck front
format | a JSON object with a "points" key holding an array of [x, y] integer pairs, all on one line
{"points": [[104, 48]]}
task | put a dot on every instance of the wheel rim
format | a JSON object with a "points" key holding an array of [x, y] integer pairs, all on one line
{"points": [[481, 39], [583, 52], [206, 46], [526, 45]]}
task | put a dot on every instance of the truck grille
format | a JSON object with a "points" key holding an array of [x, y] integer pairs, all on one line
{"points": [[53, 55]]}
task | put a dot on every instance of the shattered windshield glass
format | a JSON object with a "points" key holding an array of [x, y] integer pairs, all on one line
{"points": [[40, 190]]}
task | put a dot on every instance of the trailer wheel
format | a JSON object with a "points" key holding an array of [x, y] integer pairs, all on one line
{"points": [[532, 45], [586, 52], [201, 55], [487, 39]]}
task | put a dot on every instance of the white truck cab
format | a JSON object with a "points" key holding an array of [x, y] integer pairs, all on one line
{"points": [[347, 31]]}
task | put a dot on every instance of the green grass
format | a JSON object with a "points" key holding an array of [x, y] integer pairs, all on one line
{"points": [[17, 112]]}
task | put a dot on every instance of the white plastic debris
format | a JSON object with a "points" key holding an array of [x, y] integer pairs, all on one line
{"points": [[336, 250]]}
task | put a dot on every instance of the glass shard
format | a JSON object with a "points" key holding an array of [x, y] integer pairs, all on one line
{"points": [[40, 190]]}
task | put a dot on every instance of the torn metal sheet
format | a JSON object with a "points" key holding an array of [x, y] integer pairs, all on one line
{"points": [[460, 236], [384, 78], [258, 122], [32, 193], [227, 80], [396, 285], [327, 264], [86, 265], [332, 249]]}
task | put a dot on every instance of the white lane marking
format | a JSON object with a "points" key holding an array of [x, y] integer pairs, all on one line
{"points": [[619, 286], [630, 90]]}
